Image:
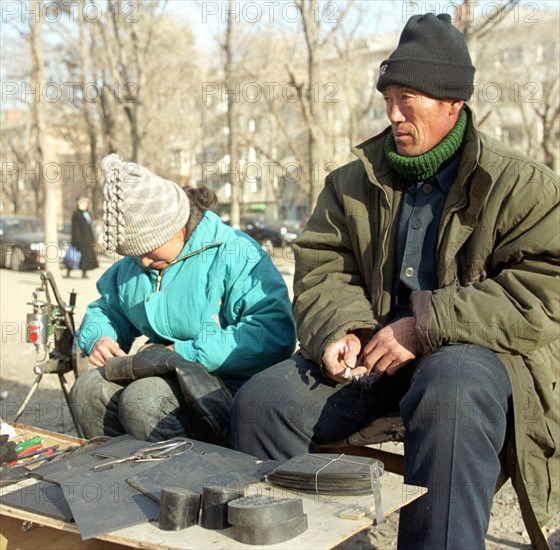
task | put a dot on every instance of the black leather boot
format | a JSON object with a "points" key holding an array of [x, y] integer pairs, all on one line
{"points": [[150, 360], [207, 399]]}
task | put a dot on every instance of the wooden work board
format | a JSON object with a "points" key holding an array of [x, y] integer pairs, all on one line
{"points": [[23, 529]]}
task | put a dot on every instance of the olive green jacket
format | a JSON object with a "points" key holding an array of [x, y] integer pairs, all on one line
{"points": [[498, 285]]}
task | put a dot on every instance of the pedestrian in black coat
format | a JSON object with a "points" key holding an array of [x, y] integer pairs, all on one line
{"points": [[83, 237]]}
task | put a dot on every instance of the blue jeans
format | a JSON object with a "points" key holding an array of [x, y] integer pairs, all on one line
{"points": [[454, 404]]}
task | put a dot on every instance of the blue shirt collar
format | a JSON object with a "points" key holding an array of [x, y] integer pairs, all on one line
{"points": [[446, 177]]}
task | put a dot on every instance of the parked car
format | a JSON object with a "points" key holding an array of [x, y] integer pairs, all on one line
{"points": [[22, 243], [274, 232]]}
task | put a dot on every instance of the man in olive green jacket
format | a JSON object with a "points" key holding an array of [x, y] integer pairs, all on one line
{"points": [[427, 282]]}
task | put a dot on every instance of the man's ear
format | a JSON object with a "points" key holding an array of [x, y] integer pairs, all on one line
{"points": [[455, 107]]}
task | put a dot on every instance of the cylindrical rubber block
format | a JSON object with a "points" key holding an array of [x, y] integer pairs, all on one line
{"points": [[179, 508], [271, 534], [263, 510], [215, 500]]}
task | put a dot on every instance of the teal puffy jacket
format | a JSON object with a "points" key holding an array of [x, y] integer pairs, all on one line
{"points": [[221, 303]]}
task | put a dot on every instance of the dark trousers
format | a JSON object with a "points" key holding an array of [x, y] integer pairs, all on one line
{"points": [[150, 409], [454, 403]]}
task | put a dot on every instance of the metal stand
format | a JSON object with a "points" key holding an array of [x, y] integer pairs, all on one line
{"points": [[47, 368], [51, 329]]}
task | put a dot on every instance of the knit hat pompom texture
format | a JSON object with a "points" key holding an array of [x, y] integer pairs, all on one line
{"points": [[432, 57], [141, 211]]}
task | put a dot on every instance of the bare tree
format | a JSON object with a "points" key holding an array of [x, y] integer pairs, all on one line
{"points": [[477, 29], [358, 94], [229, 83], [17, 151], [134, 87], [474, 28], [547, 112], [117, 79], [316, 38], [520, 106], [21, 174], [42, 154], [88, 110]]}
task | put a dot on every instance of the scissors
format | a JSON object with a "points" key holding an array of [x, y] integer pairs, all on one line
{"points": [[155, 451]]}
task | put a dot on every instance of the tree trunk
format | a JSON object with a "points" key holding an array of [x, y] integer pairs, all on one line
{"points": [[311, 102], [87, 109], [234, 172], [42, 154]]}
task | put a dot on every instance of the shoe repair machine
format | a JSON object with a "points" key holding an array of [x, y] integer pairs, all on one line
{"points": [[51, 329]]}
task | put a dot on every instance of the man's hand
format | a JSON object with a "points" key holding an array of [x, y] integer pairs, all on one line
{"points": [[392, 347], [104, 348], [340, 358]]}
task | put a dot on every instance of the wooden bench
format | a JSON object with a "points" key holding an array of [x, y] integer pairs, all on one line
{"points": [[361, 443]]}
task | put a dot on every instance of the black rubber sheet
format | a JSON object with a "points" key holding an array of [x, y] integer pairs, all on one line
{"points": [[103, 501], [128, 494], [84, 457], [192, 471], [329, 473], [43, 498]]}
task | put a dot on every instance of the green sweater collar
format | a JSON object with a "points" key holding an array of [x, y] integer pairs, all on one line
{"points": [[425, 166]]}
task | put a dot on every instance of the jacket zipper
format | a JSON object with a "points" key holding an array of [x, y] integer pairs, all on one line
{"points": [[385, 229], [384, 234], [176, 260]]}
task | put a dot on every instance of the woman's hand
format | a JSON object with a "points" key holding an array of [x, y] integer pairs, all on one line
{"points": [[104, 348], [340, 359]]}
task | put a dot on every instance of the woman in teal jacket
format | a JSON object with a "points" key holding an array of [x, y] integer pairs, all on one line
{"points": [[205, 292]]}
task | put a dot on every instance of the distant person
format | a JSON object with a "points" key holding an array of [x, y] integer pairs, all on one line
{"points": [[207, 297], [426, 283], [83, 240]]}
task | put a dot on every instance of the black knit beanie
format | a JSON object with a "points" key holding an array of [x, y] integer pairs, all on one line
{"points": [[432, 57]]}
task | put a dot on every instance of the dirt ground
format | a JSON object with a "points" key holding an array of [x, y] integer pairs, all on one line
{"points": [[47, 408]]}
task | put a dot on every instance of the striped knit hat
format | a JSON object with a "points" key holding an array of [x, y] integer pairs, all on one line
{"points": [[141, 211]]}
